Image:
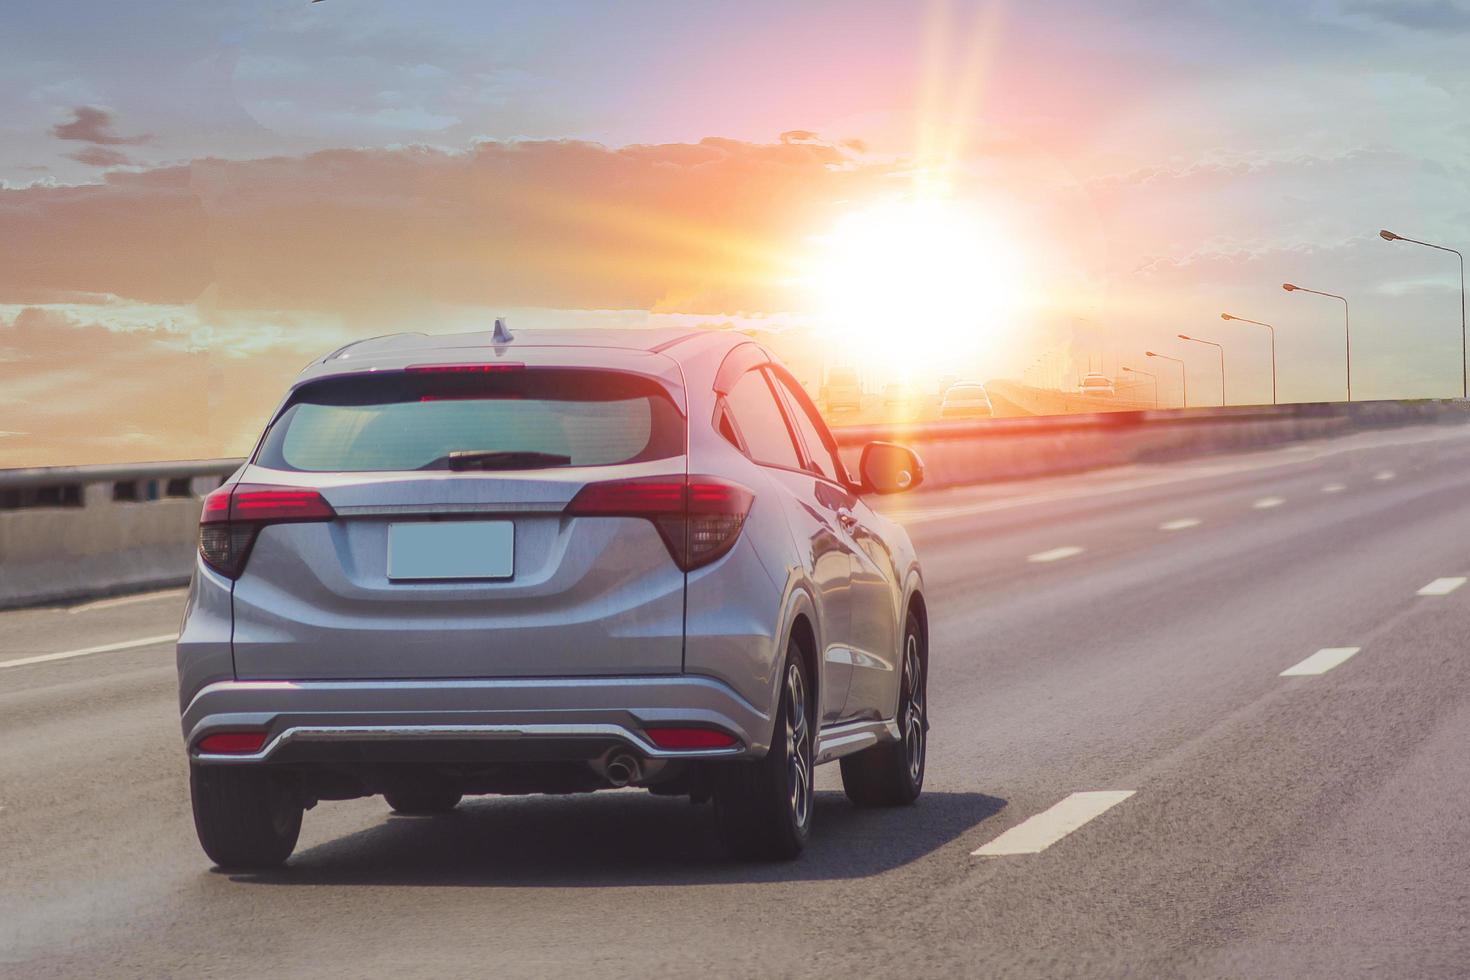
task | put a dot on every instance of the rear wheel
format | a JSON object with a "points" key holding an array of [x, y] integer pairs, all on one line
{"points": [[423, 796], [764, 806], [893, 774], [246, 817]]}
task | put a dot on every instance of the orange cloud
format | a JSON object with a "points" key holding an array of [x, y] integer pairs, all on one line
{"points": [[75, 391], [705, 227]]}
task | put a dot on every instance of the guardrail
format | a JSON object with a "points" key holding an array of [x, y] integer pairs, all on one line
{"points": [[71, 532]]}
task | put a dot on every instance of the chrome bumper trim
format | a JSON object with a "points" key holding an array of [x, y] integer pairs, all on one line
{"points": [[360, 733]]}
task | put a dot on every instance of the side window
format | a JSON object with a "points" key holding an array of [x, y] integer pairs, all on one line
{"points": [[811, 433], [753, 404], [725, 429]]}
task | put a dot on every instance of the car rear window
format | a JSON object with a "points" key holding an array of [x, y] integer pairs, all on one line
{"points": [[527, 418]]}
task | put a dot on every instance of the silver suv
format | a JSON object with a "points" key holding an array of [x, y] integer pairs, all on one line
{"points": [[553, 564]]}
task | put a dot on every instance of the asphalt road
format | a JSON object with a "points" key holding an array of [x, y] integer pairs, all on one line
{"points": [[1122, 632]]}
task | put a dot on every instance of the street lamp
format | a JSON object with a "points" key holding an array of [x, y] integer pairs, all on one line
{"points": [[1347, 331], [1183, 376], [1389, 236], [1152, 377], [1222, 362], [1229, 316]]}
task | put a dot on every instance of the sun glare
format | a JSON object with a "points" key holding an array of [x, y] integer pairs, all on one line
{"points": [[915, 286]]}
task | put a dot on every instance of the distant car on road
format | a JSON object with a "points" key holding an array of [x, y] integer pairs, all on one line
{"points": [[966, 401], [1096, 384], [469, 565], [843, 392], [898, 395]]}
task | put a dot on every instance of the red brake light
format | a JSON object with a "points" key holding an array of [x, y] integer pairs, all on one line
{"points": [[216, 506], [691, 738], [232, 743], [463, 368], [699, 517], [629, 498], [233, 515], [278, 504]]}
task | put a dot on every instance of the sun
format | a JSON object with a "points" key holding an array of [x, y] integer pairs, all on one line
{"points": [[913, 286]]}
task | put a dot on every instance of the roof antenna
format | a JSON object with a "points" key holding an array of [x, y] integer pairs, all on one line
{"points": [[502, 333]]}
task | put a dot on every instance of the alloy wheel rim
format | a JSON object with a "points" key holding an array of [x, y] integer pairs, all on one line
{"points": [[798, 747], [913, 715]]}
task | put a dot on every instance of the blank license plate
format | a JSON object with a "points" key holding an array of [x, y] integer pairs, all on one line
{"points": [[451, 549]]}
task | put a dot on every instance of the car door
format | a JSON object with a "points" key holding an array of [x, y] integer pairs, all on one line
{"points": [[767, 438], [875, 594]]}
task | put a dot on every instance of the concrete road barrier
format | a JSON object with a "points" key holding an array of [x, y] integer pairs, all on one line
{"points": [[75, 532], [988, 450], [1011, 398]]}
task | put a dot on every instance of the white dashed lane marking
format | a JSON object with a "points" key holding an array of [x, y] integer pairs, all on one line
{"points": [[1442, 586], [1334, 488], [1036, 834], [1321, 662], [1384, 475], [1055, 554], [43, 658], [1266, 503], [1180, 524]]}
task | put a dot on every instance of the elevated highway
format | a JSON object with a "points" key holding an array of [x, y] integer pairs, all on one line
{"points": [[1203, 717]]}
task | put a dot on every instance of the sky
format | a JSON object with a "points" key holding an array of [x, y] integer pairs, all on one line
{"points": [[196, 199]]}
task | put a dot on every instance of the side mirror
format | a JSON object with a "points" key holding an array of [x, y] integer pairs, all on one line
{"points": [[886, 467]]}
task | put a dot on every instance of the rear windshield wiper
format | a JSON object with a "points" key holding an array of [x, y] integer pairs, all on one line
{"points": [[499, 459]]}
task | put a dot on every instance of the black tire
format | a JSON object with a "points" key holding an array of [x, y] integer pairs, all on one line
{"points": [[247, 817], [893, 774], [764, 806], [424, 796]]}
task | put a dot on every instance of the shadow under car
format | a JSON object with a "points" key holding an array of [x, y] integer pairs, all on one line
{"points": [[621, 839]]}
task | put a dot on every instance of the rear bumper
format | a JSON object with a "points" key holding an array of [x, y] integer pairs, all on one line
{"points": [[529, 720]]}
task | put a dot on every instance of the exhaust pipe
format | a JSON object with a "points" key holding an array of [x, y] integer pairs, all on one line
{"points": [[622, 769]]}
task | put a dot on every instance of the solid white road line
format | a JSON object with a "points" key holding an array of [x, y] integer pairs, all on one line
{"points": [[127, 600], [1046, 828], [1321, 662], [1334, 488], [1266, 503], [1180, 524], [1384, 475], [1442, 586], [1055, 554], [147, 641]]}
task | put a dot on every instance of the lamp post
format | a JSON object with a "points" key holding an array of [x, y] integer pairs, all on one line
{"points": [[1229, 316], [1152, 377], [1389, 236], [1222, 361], [1347, 331], [1183, 376]]}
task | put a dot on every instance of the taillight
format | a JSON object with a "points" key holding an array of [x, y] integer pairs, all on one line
{"points": [[233, 516], [699, 517], [717, 512], [232, 743], [690, 738]]}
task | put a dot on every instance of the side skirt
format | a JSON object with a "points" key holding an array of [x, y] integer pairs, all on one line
{"points": [[840, 740]]}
